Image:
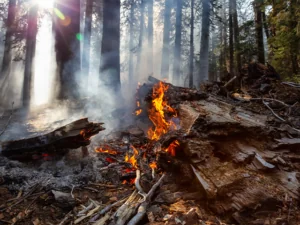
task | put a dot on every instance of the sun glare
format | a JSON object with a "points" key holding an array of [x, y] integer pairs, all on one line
{"points": [[45, 4]]}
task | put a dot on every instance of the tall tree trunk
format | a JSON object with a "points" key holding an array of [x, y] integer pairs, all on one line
{"points": [[204, 45], [177, 48], [259, 31], [87, 38], [67, 46], [295, 42], [30, 52], [150, 36], [110, 50], [231, 47], [266, 28], [223, 27], [140, 46], [12, 5], [131, 36], [213, 75], [166, 40], [191, 59], [236, 33]]}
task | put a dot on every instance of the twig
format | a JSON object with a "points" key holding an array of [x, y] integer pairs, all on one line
{"points": [[138, 185], [143, 207], [292, 84], [278, 117], [73, 186], [270, 99], [230, 81], [8, 121], [109, 166], [82, 212], [106, 209], [65, 218]]}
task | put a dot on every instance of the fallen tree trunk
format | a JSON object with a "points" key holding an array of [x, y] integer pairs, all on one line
{"points": [[71, 136]]}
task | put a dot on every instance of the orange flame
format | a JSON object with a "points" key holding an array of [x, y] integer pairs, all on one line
{"points": [[153, 165], [172, 148], [109, 151], [132, 160], [138, 112], [157, 112]]}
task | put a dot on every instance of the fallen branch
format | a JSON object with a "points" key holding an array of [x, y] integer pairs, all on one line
{"points": [[106, 209], [270, 99], [65, 218], [278, 117], [292, 84], [230, 81], [138, 185], [143, 207]]}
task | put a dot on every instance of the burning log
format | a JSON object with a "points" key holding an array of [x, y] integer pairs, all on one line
{"points": [[71, 136]]}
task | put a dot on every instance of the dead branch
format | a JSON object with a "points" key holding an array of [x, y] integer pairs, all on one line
{"points": [[138, 185], [106, 209], [278, 117], [143, 207], [65, 218], [270, 99], [230, 81]]}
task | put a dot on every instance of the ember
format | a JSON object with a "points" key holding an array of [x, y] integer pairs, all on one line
{"points": [[132, 160], [138, 112], [157, 112], [108, 151], [172, 148]]}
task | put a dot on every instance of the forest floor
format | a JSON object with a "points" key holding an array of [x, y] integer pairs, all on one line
{"points": [[233, 159]]}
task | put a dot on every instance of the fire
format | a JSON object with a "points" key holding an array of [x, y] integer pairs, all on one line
{"points": [[138, 112], [133, 159], [130, 182], [157, 112], [153, 165], [172, 147], [108, 151]]}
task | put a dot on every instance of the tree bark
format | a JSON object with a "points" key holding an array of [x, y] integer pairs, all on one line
{"points": [[166, 41], [131, 36], [177, 48], [191, 59], [12, 5], [204, 45], [30, 53], [231, 47], [87, 38], [142, 25], [259, 31], [110, 50], [236, 34], [150, 35], [266, 28], [67, 46]]}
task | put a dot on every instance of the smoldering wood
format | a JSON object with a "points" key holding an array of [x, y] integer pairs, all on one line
{"points": [[70, 136]]}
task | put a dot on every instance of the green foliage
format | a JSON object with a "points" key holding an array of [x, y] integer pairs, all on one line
{"points": [[285, 38]]}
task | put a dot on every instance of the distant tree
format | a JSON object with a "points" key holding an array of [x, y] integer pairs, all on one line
{"points": [[150, 35], [204, 44], [166, 40], [67, 45], [10, 29], [110, 49], [177, 47], [141, 35], [131, 38], [191, 57], [259, 30], [87, 38], [30, 52]]}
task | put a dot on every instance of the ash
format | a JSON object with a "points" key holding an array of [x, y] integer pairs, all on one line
{"points": [[60, 174]]}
